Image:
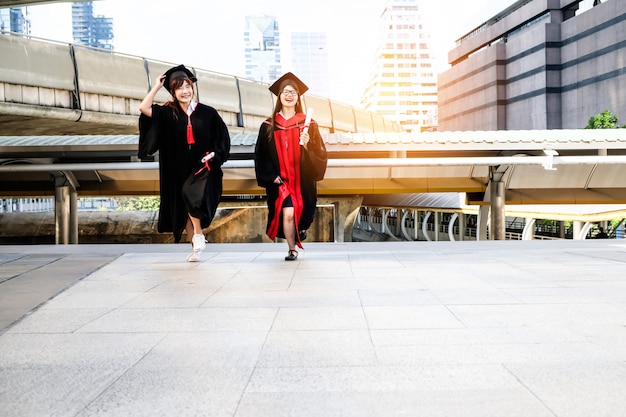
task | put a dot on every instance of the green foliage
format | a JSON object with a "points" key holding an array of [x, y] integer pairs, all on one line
{"points": [[137, 203], [604, 120]]}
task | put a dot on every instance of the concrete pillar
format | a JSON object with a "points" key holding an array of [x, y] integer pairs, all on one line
{"points": [[576, 229], [497, 229], [346, 210], [425, 226], [529, 229], [454, 218], [437, 224], [62, 210], [483, 217], [398, 231], [462, 221], [73, 216]]}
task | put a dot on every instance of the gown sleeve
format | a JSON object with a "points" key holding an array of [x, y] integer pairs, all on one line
{"points": [[265, 167], [222, 144], [315, 158], [149, 132]]}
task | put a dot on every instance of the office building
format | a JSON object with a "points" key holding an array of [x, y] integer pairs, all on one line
{"points": [[403, 86], [91, 30], [309, 60], [539, 64], [15, 19], [262, 48]]}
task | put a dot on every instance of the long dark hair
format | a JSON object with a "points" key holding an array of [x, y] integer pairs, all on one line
{"points": [[279, 106], [175, 84]]}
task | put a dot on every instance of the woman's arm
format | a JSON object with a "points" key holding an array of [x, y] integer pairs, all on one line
{"points": [[146, 104]]}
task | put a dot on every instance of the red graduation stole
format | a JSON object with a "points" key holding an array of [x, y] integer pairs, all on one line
{"points": [[287, 141]]}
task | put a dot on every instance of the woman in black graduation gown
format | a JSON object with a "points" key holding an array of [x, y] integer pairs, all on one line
{"points": [[184, 132], [289, 160]]}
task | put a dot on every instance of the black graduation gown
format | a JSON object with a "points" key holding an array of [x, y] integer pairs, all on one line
{"points": [[177, 160], [313, 164]]}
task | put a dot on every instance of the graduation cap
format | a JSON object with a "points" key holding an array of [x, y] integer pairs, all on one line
{"points": [[177, 72], [288, 79]]}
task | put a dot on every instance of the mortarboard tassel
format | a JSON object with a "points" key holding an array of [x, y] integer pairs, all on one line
{"points": [[190, 139]]}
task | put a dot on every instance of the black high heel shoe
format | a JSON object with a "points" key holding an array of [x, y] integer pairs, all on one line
{"points": [[292, 255]]}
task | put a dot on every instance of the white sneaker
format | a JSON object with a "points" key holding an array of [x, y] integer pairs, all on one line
{"points": [[199, 242], [192, 257]]}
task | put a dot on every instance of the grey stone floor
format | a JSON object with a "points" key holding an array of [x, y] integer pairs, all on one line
{"points": [[480, 329]]}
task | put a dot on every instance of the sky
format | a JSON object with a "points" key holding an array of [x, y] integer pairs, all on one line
{"points": [[209, 34]]}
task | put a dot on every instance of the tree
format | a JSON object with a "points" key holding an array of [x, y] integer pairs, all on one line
{"points": [[138, 203], [604, 120]]}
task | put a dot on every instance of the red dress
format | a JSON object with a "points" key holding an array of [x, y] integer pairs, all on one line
{"points": [[278, 153]]}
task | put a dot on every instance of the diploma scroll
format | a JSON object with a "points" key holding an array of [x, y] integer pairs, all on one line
{"points": [[307, 121]]}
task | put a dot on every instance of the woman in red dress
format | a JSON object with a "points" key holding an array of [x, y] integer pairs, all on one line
{"points": [[289, 160]]}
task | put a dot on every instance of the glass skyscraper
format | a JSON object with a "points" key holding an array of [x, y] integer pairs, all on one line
{"points": [[262, 48], [309, 60], [90, 30], [14, 19], [403, 86]]}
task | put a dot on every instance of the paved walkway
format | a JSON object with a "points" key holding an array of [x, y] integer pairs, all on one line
{"points": [[475, 329]]}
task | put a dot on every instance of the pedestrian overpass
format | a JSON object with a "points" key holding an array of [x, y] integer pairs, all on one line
{"points": [[68, 127]]}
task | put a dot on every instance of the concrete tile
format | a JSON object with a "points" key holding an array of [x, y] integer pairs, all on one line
{"points": [[438, 281], [496, 403], [474, 296], [410, 317], [356, 283], [431, 329], [471, 354], [388, 391], [377, 379], [79, 299], [289, 298], [49, 320], [610, 338], [570, 295], [476, 336], [259, 283], [223, 349], [583, 389], [400, 297], [538, 314], [185, 298], [157, 320], [319, 318], [317, 348], [148, 390]]}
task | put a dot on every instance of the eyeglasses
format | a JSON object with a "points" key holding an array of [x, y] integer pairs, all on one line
{"points": [[290, 93]]}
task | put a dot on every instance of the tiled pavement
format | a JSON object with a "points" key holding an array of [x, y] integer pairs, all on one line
{"points": [[446, 329]]}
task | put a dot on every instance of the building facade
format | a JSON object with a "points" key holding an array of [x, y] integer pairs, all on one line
{"points": [[91, 30], [539, 64], [403, 86], [262, 48]]}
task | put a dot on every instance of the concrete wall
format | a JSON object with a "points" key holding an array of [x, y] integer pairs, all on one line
{"points": [[231, 225], [471, 93], [42, 80], [594, 63]]}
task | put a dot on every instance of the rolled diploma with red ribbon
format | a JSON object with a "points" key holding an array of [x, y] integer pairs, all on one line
{"points": [[307, 121], [207, 157], [205, 160]]}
